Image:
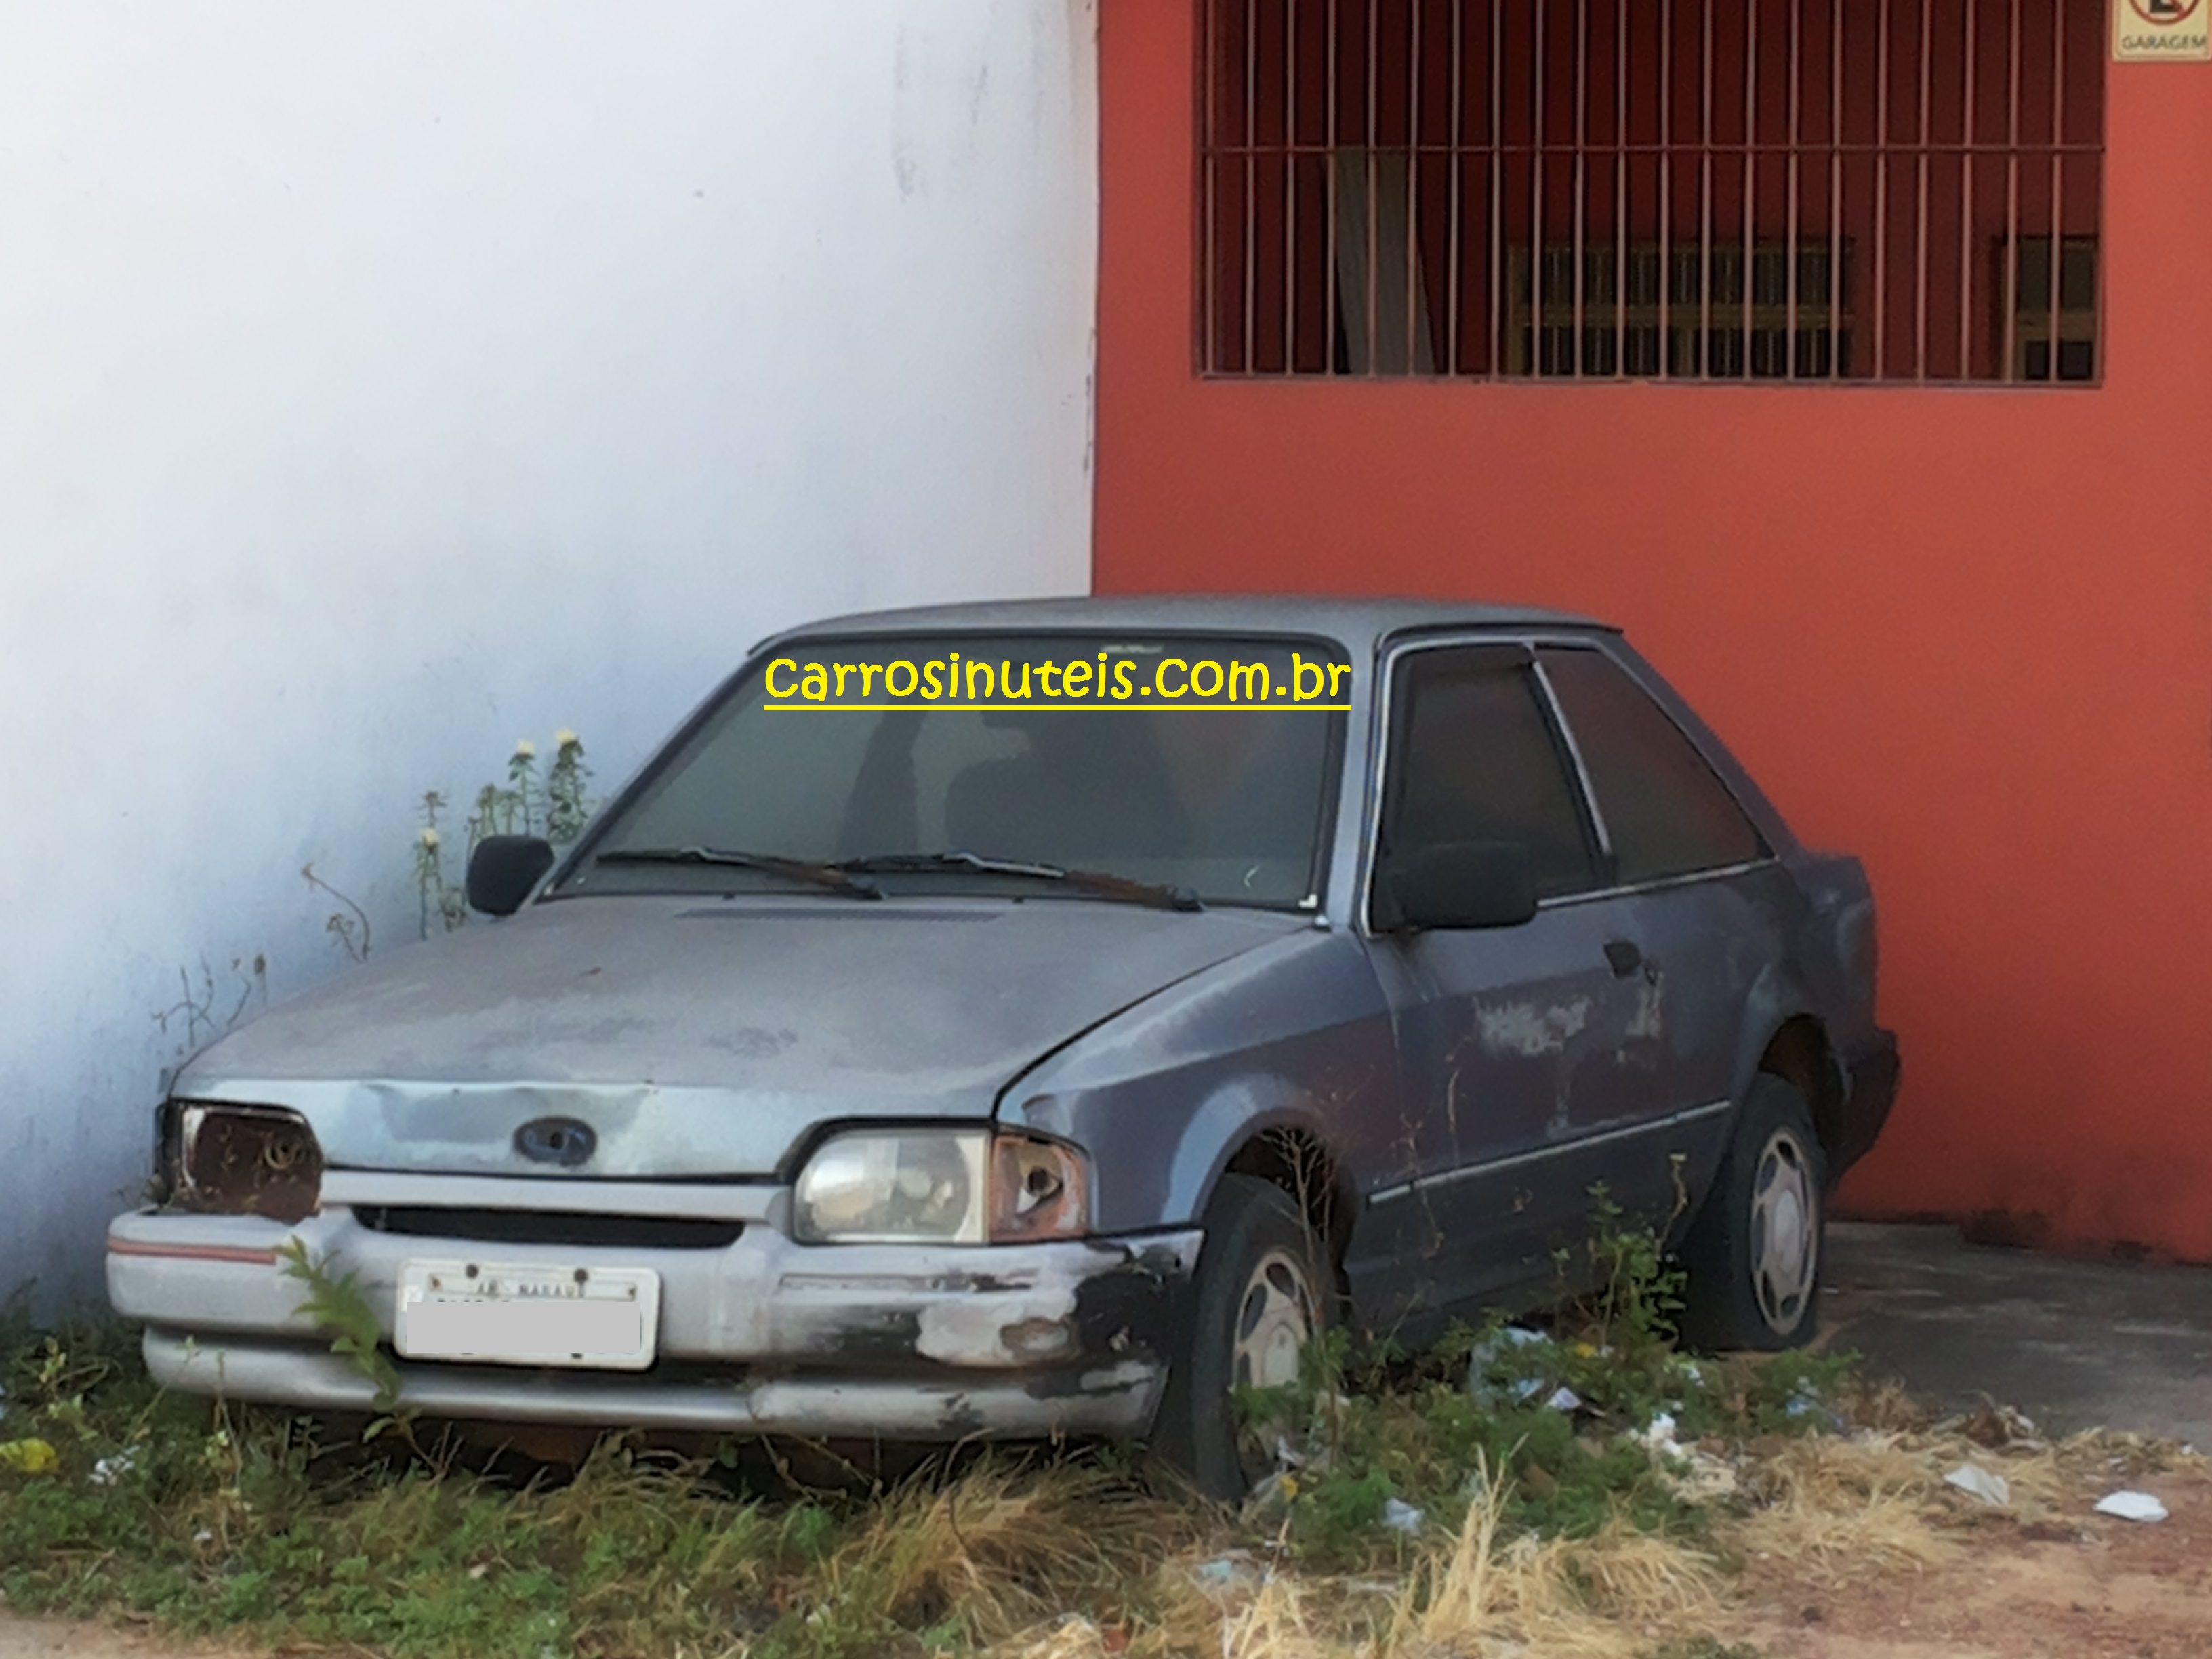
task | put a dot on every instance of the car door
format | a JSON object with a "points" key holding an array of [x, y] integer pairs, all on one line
{"points": [[1692, 873], [1501, 1032]]}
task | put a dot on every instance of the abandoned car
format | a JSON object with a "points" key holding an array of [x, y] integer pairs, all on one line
{"points": [[1042, 1019]]}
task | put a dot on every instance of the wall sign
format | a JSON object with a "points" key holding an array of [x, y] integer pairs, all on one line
{"points": [[2161, 31]]}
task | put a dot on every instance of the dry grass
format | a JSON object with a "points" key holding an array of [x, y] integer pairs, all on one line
{"points": [[1612, 1596], [1007, 1550], [1843, 1508]]}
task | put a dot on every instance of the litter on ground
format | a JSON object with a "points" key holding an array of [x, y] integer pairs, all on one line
{"points": [[1974, 1479], [2131, 1506]]}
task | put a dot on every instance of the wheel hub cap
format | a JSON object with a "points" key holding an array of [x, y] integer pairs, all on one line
{"points": [[1784, 1232], [1274, 1323]]}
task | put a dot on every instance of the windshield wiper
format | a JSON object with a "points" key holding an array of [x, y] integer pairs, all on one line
{"points": [[833, 877], [1098, 882]]}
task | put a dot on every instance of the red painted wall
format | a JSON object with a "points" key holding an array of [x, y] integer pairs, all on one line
{"points": [[1967, 634]]}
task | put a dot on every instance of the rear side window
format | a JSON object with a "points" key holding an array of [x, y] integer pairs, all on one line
{"points": [[1474, 757], [1667, 813]]}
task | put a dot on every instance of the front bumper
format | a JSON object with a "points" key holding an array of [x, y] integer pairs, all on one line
{"points": [[762, 1336]]}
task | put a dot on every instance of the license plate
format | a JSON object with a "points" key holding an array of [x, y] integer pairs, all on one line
{"points": [[505, 1314]]}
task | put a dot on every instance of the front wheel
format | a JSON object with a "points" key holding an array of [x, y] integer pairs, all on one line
{"points": [[1261, 1299], [1752, 1256]]}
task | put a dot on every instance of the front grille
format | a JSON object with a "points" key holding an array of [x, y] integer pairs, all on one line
{"points": [[551, 1227]]}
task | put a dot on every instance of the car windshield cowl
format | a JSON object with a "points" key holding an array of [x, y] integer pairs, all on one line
{"points": [[1096, 883], [830, 876]]}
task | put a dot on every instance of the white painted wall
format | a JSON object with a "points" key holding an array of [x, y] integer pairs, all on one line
{"points": [[380, 384]]}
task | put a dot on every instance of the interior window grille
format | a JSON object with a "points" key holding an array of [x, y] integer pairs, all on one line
{"points": [[1715, 190]]}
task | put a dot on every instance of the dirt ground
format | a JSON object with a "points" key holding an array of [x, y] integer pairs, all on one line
{"points": [[42, 1638], [2107, 1589]]}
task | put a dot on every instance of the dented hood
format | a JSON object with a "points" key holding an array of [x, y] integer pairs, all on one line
{"points": [[701, 1037]]}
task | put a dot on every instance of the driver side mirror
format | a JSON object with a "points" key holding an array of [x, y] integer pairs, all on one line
{"points": [[1460, 883], [503, 871]]}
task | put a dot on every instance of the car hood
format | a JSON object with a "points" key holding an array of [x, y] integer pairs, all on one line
{"points": [[701, 1037]]}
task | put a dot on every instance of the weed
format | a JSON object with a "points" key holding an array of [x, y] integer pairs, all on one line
{"points": [[555, 806], [1622, 1286], [337, 1307]]}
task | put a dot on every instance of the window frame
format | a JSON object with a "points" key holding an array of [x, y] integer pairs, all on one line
{"points": [[1522, 658], [1383, 728], [2014, 334]]}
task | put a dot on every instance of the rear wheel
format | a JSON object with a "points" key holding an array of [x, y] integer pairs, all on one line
{"points": [[1752, 1255], [1261, 1300]]}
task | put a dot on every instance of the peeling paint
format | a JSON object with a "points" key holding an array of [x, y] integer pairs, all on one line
{"points": [[1002, 1331], [1521, 1027], [1650, 1020]]}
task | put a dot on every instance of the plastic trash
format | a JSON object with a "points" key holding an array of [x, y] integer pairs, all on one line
{"points": [[1401, 1517], [109, 1470], [1694, 1475], [27, 1456], [1972, 1478], [1564, 1398], [2131, 1506], [1224, 1571], [1486, 1356]]}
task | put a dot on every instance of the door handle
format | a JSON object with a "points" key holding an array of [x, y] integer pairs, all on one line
{"points": [[1624, 956]]}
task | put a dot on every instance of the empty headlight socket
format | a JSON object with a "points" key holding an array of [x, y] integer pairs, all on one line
{"points": [[222, 1159]]}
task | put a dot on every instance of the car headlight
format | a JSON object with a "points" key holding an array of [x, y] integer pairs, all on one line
{"points": [[940, 1187], [242, 1160]]}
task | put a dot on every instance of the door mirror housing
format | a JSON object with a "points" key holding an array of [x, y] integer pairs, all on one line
{"points": [[1461, 883], [504, 869]]}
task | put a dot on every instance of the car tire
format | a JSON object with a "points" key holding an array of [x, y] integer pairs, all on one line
{"points": [[1263, 1293], [1753, 1255]]}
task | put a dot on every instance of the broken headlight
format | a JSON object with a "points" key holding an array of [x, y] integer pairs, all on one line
{"points": [[940, 1187], [240, 1160]]}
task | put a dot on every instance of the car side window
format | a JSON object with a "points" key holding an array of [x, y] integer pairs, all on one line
{"points": [[1666, 812], [1474, 756]]}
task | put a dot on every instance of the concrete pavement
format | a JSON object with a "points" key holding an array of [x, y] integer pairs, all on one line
{"points": [[2075, 1345]]}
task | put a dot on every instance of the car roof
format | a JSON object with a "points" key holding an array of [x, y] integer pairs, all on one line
{"points": [[1356, 622]]}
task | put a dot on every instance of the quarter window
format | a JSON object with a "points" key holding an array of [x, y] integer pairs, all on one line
{"points": [[1474, 758], [1665, 811]]}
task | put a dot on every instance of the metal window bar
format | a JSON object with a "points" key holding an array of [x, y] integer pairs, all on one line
{"points": [[1656, 289]]}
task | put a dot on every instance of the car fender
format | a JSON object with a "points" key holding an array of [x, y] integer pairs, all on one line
{"points": [[1292, 1038], [1778, 996], [1237, 1111]]}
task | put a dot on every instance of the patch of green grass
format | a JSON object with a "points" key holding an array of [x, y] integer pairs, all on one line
{"points": [[1551, 1411]]}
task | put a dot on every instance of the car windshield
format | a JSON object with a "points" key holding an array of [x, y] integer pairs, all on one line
{"points": [[1195, 769]]}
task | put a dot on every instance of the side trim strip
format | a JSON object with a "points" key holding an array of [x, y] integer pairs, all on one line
{"points": [[238, 1253], [1446, 1177]]}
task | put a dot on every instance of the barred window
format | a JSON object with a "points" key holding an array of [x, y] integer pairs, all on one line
{"points": [[1713, 189]]}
